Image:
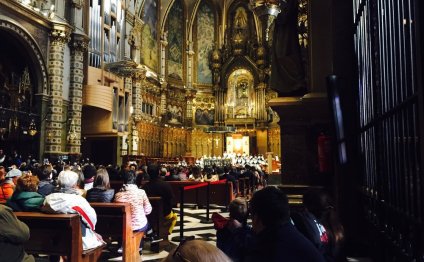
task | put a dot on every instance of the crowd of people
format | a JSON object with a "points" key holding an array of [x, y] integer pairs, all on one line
{"points": [[274, 234]]}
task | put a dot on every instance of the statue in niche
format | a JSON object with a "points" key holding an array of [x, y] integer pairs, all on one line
{"points": [[287, 73], [242, 90], [242, 98], [240, 19]]}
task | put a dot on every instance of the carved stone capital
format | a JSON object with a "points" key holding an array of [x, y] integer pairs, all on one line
{"points": [[139, 75], [79, 42], [60, 34], [78, 4], [164, 43], [164, 38], [190, 53]]}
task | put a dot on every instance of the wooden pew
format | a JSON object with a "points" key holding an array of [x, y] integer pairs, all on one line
{"points": [[157, 222], [220, 194], [57, 234], [156, 218], [114, 220]]}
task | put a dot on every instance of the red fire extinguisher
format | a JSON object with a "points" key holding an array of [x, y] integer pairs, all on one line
{"points": [[325, 162]]}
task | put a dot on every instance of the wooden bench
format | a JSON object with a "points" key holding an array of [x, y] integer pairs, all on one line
{"points": [[157, 221], [57, 234], [219, 194], [114, 221], [156, 218]]}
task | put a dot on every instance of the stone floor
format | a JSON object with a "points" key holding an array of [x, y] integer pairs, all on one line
{"points": [[193, 226]]}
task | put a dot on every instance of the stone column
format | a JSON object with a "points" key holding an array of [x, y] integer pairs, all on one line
{"points": [[78, 46], [163, 83], [190, 64], [163, 44], [59, 37], [190, 93], [163, 95], [137, 99]]}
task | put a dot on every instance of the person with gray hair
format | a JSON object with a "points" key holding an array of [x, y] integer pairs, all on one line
{"points": [[68, 201]]}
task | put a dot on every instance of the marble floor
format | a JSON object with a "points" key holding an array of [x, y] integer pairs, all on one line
{"points": [[194, 226]]}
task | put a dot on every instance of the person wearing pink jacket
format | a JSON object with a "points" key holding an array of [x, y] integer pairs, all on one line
{"points": [[140, 205]]}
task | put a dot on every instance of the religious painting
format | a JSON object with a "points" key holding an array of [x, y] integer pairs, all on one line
{"points": [[174, 114], [204, 116], [175, 40], [205, 39], [149, 35]]}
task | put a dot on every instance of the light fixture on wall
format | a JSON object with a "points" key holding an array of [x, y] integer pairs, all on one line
{"points": [[32, 128], [267, 11]]}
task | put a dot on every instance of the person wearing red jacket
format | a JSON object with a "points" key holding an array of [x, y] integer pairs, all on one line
{"points": [[7, 186]]}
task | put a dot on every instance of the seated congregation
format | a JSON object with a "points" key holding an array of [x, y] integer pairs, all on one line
{"points": [[43, 210]]}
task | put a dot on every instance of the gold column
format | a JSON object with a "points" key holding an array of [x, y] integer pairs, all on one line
{"points": [[219, 106]]}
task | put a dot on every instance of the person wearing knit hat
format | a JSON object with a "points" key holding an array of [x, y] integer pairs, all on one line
{"points": [[14, 172], [8, 185]]}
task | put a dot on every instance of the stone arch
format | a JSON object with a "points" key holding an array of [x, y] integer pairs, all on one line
{"points": [[236, 63], [33, 51]]}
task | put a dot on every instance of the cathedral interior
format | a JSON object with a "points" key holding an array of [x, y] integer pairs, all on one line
{"points": [[333, 88]]}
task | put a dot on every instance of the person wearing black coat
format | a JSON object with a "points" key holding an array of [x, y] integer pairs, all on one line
{"points": [[275, 237], [101, 191], [157, 187], [45, 175]]}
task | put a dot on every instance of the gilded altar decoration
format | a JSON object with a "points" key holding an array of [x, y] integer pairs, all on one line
{"points": [[240, 95]]}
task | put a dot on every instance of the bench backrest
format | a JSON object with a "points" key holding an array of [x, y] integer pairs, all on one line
{"points": [[114, 221], [53, 234], [219, 193], [156, 217]]}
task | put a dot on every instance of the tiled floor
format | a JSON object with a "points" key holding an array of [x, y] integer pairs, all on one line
{"points": [[192, 227]]}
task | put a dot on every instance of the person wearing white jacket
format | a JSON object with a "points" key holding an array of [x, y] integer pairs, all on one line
{"points": [[68, 201]]}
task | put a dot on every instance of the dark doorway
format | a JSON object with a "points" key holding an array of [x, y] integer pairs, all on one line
{"points": [[100, 150], [19, 112]]}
